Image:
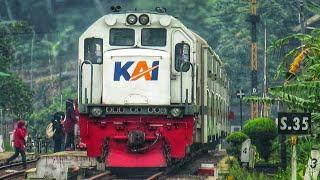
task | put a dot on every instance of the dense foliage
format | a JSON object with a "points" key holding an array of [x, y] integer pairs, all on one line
{"points": [[44, 54], [15, 95], [51, 51], [262, 131], [302, 91]]}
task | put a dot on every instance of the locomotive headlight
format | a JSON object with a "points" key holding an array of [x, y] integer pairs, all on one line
{"points": [[165, 21], [144, 19], [96, 112], [175, 112], [110, 20], [132, 19]]}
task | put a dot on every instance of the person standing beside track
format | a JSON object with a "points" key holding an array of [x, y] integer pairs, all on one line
{"points": [[58, 128], [69, 123], [19, 142]]}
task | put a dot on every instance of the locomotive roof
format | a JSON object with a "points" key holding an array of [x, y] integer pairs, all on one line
{"points": [[177, 20]]}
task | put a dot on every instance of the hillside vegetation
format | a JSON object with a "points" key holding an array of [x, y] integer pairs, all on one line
{"points": [[43, 52]]}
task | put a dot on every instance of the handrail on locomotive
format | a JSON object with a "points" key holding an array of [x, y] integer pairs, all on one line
{"points": [[192, 86], [80, 82]]}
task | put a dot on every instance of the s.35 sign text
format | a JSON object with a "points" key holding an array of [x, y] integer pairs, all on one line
{"points": [[294, 123]]}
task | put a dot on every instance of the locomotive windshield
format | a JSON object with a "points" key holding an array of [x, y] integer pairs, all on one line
{"points": [[121, 37], [153, 37]]}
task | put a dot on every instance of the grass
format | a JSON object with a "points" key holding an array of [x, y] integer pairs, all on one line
{"points": [[7, 146], [240, 173]]}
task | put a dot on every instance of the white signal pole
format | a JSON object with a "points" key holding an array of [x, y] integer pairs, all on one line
{"points": [[264, 95], [294, 137]]}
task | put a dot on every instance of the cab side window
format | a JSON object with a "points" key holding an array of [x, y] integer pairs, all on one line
{"points": [[182, 54], [93, 50]]}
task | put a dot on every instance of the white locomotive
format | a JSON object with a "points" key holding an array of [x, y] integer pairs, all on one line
{"points": [[139, 73]]}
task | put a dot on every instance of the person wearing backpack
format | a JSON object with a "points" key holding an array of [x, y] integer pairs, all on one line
{"points": [[57, 127], [19, 143]]}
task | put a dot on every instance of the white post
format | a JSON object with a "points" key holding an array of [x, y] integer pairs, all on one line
{"points": [[294, 158], [1, 144], [265, 64], [313, 167], [245, 153]]}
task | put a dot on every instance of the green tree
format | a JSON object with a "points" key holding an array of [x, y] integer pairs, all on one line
{"points": [[15, 95], [15, 99], [262, 131]]}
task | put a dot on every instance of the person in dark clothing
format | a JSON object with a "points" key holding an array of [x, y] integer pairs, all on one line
{"points": [[58, 128], [69, 123], [19, 143]]}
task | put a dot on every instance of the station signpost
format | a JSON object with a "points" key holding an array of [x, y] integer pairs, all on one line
{"points": [[294, 124]]}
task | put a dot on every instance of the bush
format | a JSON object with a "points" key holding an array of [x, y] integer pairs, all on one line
{"points": [[240, 173], [262, 131], [235, 141], [237, 137]]}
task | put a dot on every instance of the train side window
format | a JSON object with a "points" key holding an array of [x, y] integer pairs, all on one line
{"points": [[220, 76], [93, 49], [121, 37], [218, 71], [153, 37], [182, 54]]}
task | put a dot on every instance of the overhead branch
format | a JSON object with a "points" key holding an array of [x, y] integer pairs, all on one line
{"points": [[310, 21], [267, 100]]}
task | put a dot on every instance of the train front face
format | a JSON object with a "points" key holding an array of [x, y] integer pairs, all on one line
{"points": [[131, 114]]}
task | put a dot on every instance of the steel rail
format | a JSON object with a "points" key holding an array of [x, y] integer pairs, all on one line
{"points": [[173, 169], [155, 176], [104, 175], [11, 175], [18, 164]]}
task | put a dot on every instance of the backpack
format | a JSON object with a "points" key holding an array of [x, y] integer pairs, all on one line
{"points": [[49, 131]]}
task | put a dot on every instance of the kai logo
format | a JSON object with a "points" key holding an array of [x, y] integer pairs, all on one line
{"points": [[141, 70]]}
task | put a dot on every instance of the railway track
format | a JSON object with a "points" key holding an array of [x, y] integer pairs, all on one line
{"points": [[174, 170], [156, 176], [104, 176], [17, 164], [14, 175], [15, 170]]}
